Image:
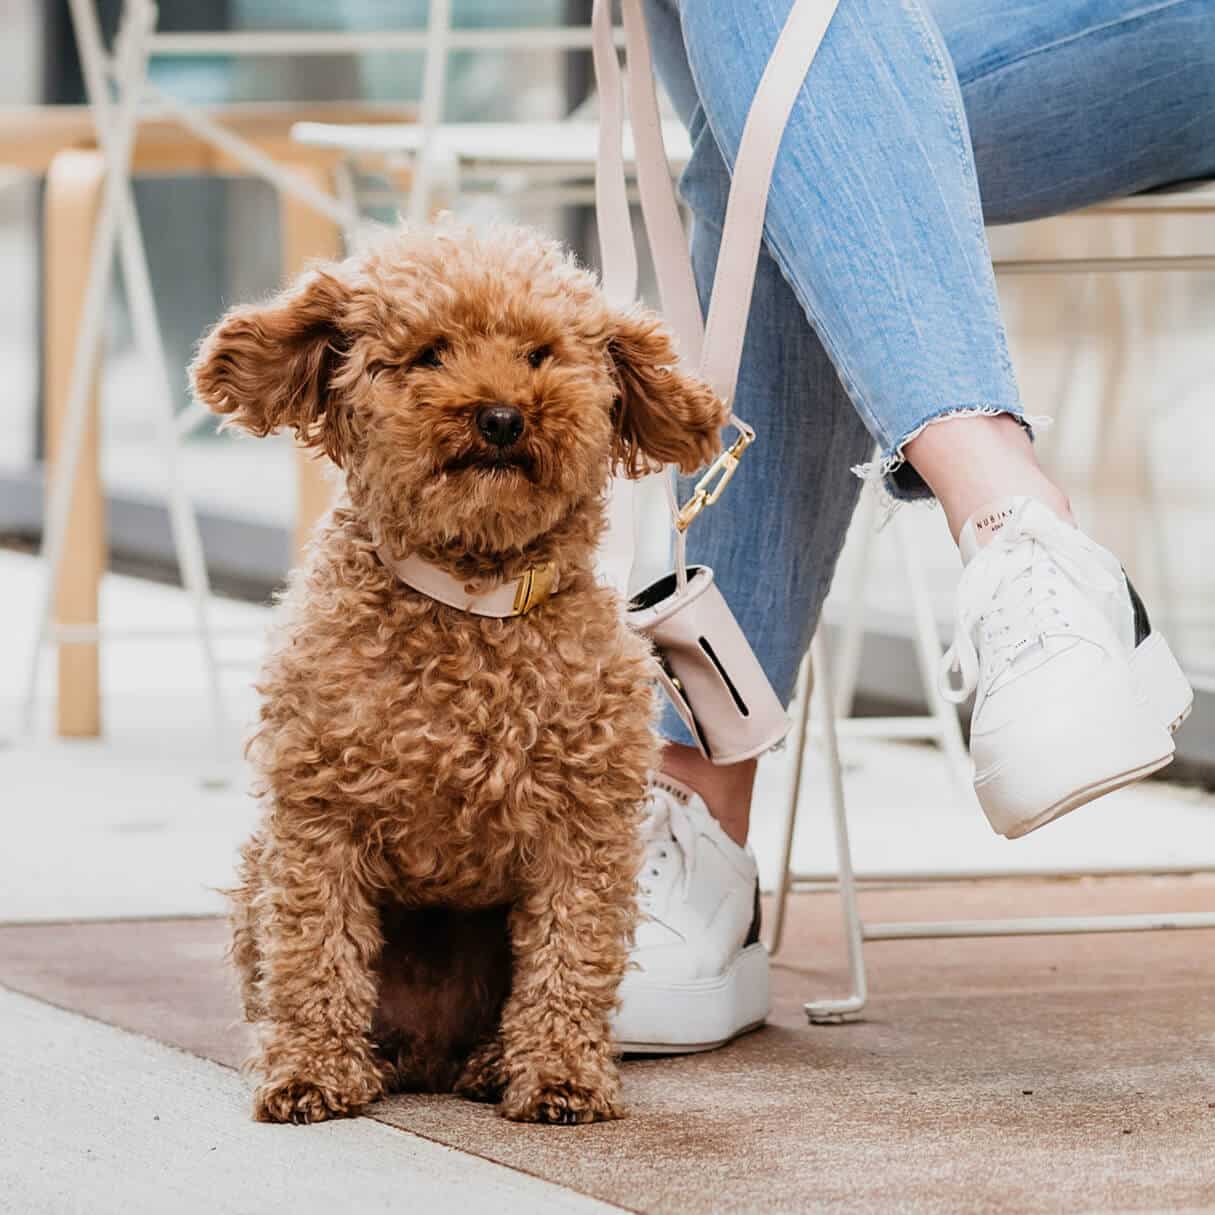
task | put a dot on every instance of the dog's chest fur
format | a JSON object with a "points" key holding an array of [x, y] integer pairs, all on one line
{"points": [[462, 745]]}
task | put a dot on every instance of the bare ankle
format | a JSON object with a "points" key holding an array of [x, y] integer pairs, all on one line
{"points": [[726, 790], [971, 462]]}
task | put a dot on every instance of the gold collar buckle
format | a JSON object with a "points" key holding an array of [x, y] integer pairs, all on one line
{"points": [[536, 586]]}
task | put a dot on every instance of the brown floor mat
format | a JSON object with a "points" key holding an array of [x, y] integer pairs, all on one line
{"points": [[1044, 1074]]}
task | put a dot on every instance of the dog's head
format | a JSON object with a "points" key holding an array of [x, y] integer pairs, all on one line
{"points": [[476, 387]]}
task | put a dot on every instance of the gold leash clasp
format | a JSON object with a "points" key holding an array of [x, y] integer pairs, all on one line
{"points": [[712, 485]]}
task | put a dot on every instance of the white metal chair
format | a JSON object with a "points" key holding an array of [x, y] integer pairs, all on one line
{"points": [[1198, 198], [551, 162]]}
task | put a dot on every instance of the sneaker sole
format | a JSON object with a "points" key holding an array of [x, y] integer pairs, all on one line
{"points": [[701, 1015], [1167, 694]]}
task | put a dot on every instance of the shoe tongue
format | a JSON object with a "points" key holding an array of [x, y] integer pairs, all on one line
{"points": [[677, 810], [665, 794], [986, 523], [677, 789]]}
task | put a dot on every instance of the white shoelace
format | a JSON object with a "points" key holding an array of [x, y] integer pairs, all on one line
{"points": [[1008, 599], [670, 836]]}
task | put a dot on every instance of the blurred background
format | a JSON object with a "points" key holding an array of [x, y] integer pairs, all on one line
{"points": [[212, 240], [1123, 363]]}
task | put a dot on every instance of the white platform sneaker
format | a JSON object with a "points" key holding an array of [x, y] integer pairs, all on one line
{"points": [[1076, 695], [700, 974]]}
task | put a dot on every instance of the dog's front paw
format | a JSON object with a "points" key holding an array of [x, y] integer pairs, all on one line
{"points": [[300, 1100], [561, 1102], [297, 1101]]}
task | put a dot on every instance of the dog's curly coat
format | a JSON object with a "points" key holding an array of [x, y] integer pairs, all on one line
{"points": [[441, 890]]}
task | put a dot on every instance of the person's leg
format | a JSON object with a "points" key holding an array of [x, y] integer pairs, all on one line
{"points": [[1072, 102], [873, 217], [875, 220], [699, 974], [875, 293], [875, 212], [968, 462], [774, 539]]}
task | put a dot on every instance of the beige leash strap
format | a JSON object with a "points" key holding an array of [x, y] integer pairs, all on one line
{"points": [[716, 349]]}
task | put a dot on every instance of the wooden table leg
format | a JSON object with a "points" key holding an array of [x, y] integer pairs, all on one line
{"points": [[306, 237], [74, 187]]}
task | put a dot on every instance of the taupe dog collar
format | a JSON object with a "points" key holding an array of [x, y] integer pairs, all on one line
{"points": [[515, 597]]}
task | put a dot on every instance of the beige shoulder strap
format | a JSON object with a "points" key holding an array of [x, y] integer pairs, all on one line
{"points": [[715, 349], [743, 231], [663, 226]]}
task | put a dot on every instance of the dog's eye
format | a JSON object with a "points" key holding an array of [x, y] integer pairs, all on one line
{"points": [[537, 356], [432, 356]]}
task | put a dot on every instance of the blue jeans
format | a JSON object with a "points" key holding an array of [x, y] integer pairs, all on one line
{"points": [[875, 309]]}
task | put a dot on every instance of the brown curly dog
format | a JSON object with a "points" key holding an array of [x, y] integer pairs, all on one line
{"points": [[441, 890]]}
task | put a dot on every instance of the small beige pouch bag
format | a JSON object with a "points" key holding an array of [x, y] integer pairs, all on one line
{"points": [[708, 669]]}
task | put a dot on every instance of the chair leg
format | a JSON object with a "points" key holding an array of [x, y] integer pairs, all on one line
{"points": [[115, 122], [74, 187], [928, 655], [797, 744], [308, 236], [821, 1012], [116, 125], [865, 530], [434, 80]]}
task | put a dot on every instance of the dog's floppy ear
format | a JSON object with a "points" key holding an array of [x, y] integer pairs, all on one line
{"points": [[663, 415], [269, 365]]}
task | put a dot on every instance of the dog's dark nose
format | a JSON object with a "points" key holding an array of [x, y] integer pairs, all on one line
{"points": [[500, 424]]}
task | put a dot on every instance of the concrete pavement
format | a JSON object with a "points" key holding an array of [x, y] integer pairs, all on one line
{"points": [[96, 1120]]}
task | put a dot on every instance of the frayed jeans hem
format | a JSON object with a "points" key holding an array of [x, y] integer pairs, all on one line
{"points": [[900, 480]]}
